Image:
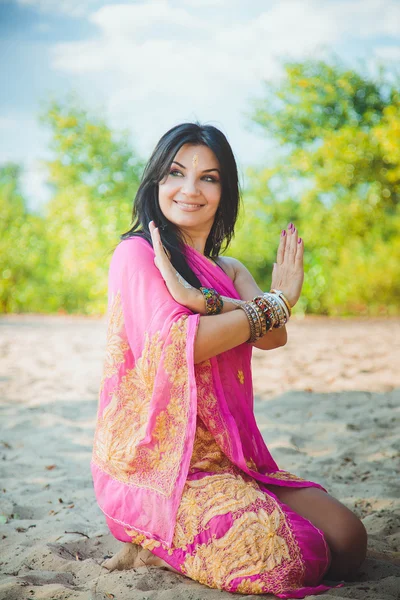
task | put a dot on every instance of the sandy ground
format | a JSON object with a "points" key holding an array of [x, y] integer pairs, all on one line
{"points": [[327, 404]]}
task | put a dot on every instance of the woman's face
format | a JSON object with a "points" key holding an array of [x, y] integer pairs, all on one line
{"points": [[190, 194]]}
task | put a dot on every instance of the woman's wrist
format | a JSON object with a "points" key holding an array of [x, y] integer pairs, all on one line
{"points": [[197, 304]]}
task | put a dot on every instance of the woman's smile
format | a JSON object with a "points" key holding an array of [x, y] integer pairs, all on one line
{"points": [[188, 207]]}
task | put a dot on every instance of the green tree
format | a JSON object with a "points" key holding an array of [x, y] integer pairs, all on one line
{"points": [[95, 175], [338, 136], [23, 246]]}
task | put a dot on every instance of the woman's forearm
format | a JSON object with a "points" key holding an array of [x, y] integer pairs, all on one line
{"points": [[218, 333], [275, 338]]}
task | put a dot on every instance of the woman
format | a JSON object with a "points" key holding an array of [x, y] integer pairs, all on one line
{"points": [[180, 468]]}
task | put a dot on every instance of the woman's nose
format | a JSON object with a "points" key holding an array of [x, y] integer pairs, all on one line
{"points": [[189, 187]]}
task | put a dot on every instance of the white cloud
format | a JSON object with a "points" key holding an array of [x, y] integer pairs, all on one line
{"points": [[160, 63], [388, 52]]}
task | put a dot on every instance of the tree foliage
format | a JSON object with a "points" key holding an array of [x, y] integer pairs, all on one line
{"points": [[338, 179], [23, 246], [95, 175], [335, 174]]}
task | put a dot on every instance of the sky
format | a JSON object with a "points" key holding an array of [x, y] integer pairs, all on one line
{"points": [[147, 65]]}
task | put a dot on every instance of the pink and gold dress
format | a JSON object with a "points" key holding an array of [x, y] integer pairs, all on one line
{"points": [[179, 465]]}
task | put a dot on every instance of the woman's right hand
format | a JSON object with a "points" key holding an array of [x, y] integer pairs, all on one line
{"points": [[288, 271]]}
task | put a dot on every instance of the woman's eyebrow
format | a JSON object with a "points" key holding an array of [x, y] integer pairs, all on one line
{"points": [[205, 170]]}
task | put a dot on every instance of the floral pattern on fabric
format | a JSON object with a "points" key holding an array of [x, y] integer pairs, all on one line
{"points": [[208, 497], [259, 543], [122, 426], [208, 409], [116, 345], [207, 455], [257, 552]]}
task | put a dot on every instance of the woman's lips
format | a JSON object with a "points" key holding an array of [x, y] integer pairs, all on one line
{"points": [[188, 207]]}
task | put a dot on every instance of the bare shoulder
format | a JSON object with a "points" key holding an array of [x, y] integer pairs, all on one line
{"points": [[230, 265], [245, 284]]}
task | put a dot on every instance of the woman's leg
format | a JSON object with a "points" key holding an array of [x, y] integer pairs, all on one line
{"points": [[344, 533]]}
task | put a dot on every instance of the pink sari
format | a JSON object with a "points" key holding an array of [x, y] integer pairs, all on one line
{"points": [[179, 464]]}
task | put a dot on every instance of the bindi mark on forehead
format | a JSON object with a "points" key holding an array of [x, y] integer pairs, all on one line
{"points": [[195, 160]]}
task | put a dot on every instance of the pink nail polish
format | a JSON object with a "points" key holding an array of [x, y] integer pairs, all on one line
{"points": [[283, 233], [299, 241], [290, 226]]}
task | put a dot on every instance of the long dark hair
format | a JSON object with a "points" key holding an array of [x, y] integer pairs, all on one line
{"points": [[146, 206]]}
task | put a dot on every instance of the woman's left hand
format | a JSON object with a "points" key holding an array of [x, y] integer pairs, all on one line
{"points": [[181, 291]]}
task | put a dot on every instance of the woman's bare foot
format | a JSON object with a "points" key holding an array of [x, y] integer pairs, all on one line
{"points": [[132, 556], [124, 559]]}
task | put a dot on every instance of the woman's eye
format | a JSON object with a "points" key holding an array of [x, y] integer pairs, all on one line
{"points": [[208, 178]]}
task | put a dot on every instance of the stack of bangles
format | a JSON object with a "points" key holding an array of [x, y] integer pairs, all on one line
{"points": [[268, 311]]}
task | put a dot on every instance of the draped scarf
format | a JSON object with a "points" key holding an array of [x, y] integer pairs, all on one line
{"points": [[151, 392]]}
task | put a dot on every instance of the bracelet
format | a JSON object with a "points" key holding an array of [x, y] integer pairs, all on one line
{"points": [[277, 305], [284, 307], [214, 302], [268, 316], [280, 314], [257, 318], [286, 301], [250, 317], [261, 317]]}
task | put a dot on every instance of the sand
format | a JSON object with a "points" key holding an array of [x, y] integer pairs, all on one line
{"points": [[327, 404]]}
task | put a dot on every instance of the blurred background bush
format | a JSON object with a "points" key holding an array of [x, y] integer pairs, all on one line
{"points": [[334, 172]]}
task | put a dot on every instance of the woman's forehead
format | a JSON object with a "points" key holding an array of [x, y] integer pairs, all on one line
{"points": [[196, 156]]}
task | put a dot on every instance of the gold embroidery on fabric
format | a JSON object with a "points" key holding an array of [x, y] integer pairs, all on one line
{"points": [[259, 540], [251, 464], [247, 586], [211, 496], [207, 455], [123, 424], [284, 476], [141, 540], [208, 409], [123, 421], [116, 344], [240, 375], [250, 547]]}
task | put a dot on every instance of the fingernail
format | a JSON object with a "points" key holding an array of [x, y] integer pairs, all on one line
{"points": [[283, 233], [299, 241], [290, 225]]}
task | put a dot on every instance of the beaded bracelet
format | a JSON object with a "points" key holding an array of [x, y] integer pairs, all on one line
{"points": [[214, 302], [264, 313], [277, 309], [262, 303], [261, 318]]}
